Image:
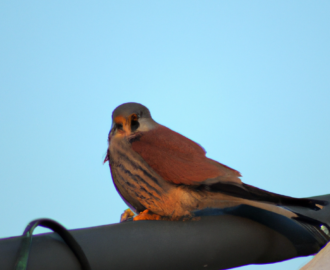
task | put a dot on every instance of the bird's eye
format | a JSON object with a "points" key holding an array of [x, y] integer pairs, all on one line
{"points": [[134, 123], [119, 126]]}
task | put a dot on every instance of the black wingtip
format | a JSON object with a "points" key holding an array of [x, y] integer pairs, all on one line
{"points": [[256, 194]]}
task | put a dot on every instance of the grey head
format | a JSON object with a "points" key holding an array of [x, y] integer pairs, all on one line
{"points": [[130, 108], [129, 118]]}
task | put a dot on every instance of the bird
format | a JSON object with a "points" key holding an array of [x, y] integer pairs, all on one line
{"points": [[163, 175]]}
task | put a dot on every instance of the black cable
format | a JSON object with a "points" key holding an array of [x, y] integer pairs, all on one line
{"points": [[24, 251]]}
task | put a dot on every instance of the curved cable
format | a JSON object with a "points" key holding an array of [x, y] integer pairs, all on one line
{"points": [[24, 251]]}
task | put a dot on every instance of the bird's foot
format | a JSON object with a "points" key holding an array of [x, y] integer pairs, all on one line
{"points": [[148, 215], [127, 215]]}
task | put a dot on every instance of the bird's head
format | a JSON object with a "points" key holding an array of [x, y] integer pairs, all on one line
{"points": [[128, 121], [130, 118]]}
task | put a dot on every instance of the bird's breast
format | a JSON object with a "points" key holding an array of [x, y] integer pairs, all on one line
{"points": [[136, 182]]}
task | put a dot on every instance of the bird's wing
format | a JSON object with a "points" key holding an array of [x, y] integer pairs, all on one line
{"points": [[180, 160]]}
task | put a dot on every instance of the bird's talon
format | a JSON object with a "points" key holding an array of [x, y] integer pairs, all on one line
{"points": [[147, 215], [127, 215]]}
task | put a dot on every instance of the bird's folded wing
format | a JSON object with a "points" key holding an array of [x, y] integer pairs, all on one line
{"points": [[180, 160]]}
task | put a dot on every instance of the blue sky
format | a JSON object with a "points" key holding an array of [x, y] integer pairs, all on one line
{"points": [[248, 80]]}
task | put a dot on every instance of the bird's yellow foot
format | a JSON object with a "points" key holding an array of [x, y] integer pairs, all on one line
{"points": [[128, 214], [148, 215]]}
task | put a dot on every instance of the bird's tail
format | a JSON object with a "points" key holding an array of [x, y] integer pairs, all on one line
{"points": [[313, 212], [256, 194], [263, 195]]}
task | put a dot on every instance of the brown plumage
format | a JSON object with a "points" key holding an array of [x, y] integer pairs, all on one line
{"points": [[179, 160], [167, 176]]}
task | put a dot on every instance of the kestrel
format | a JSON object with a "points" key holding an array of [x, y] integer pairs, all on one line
{"points": [[161, 174]]}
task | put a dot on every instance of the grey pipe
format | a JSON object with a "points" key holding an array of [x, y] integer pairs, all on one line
{"points": [[245, 235]]}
